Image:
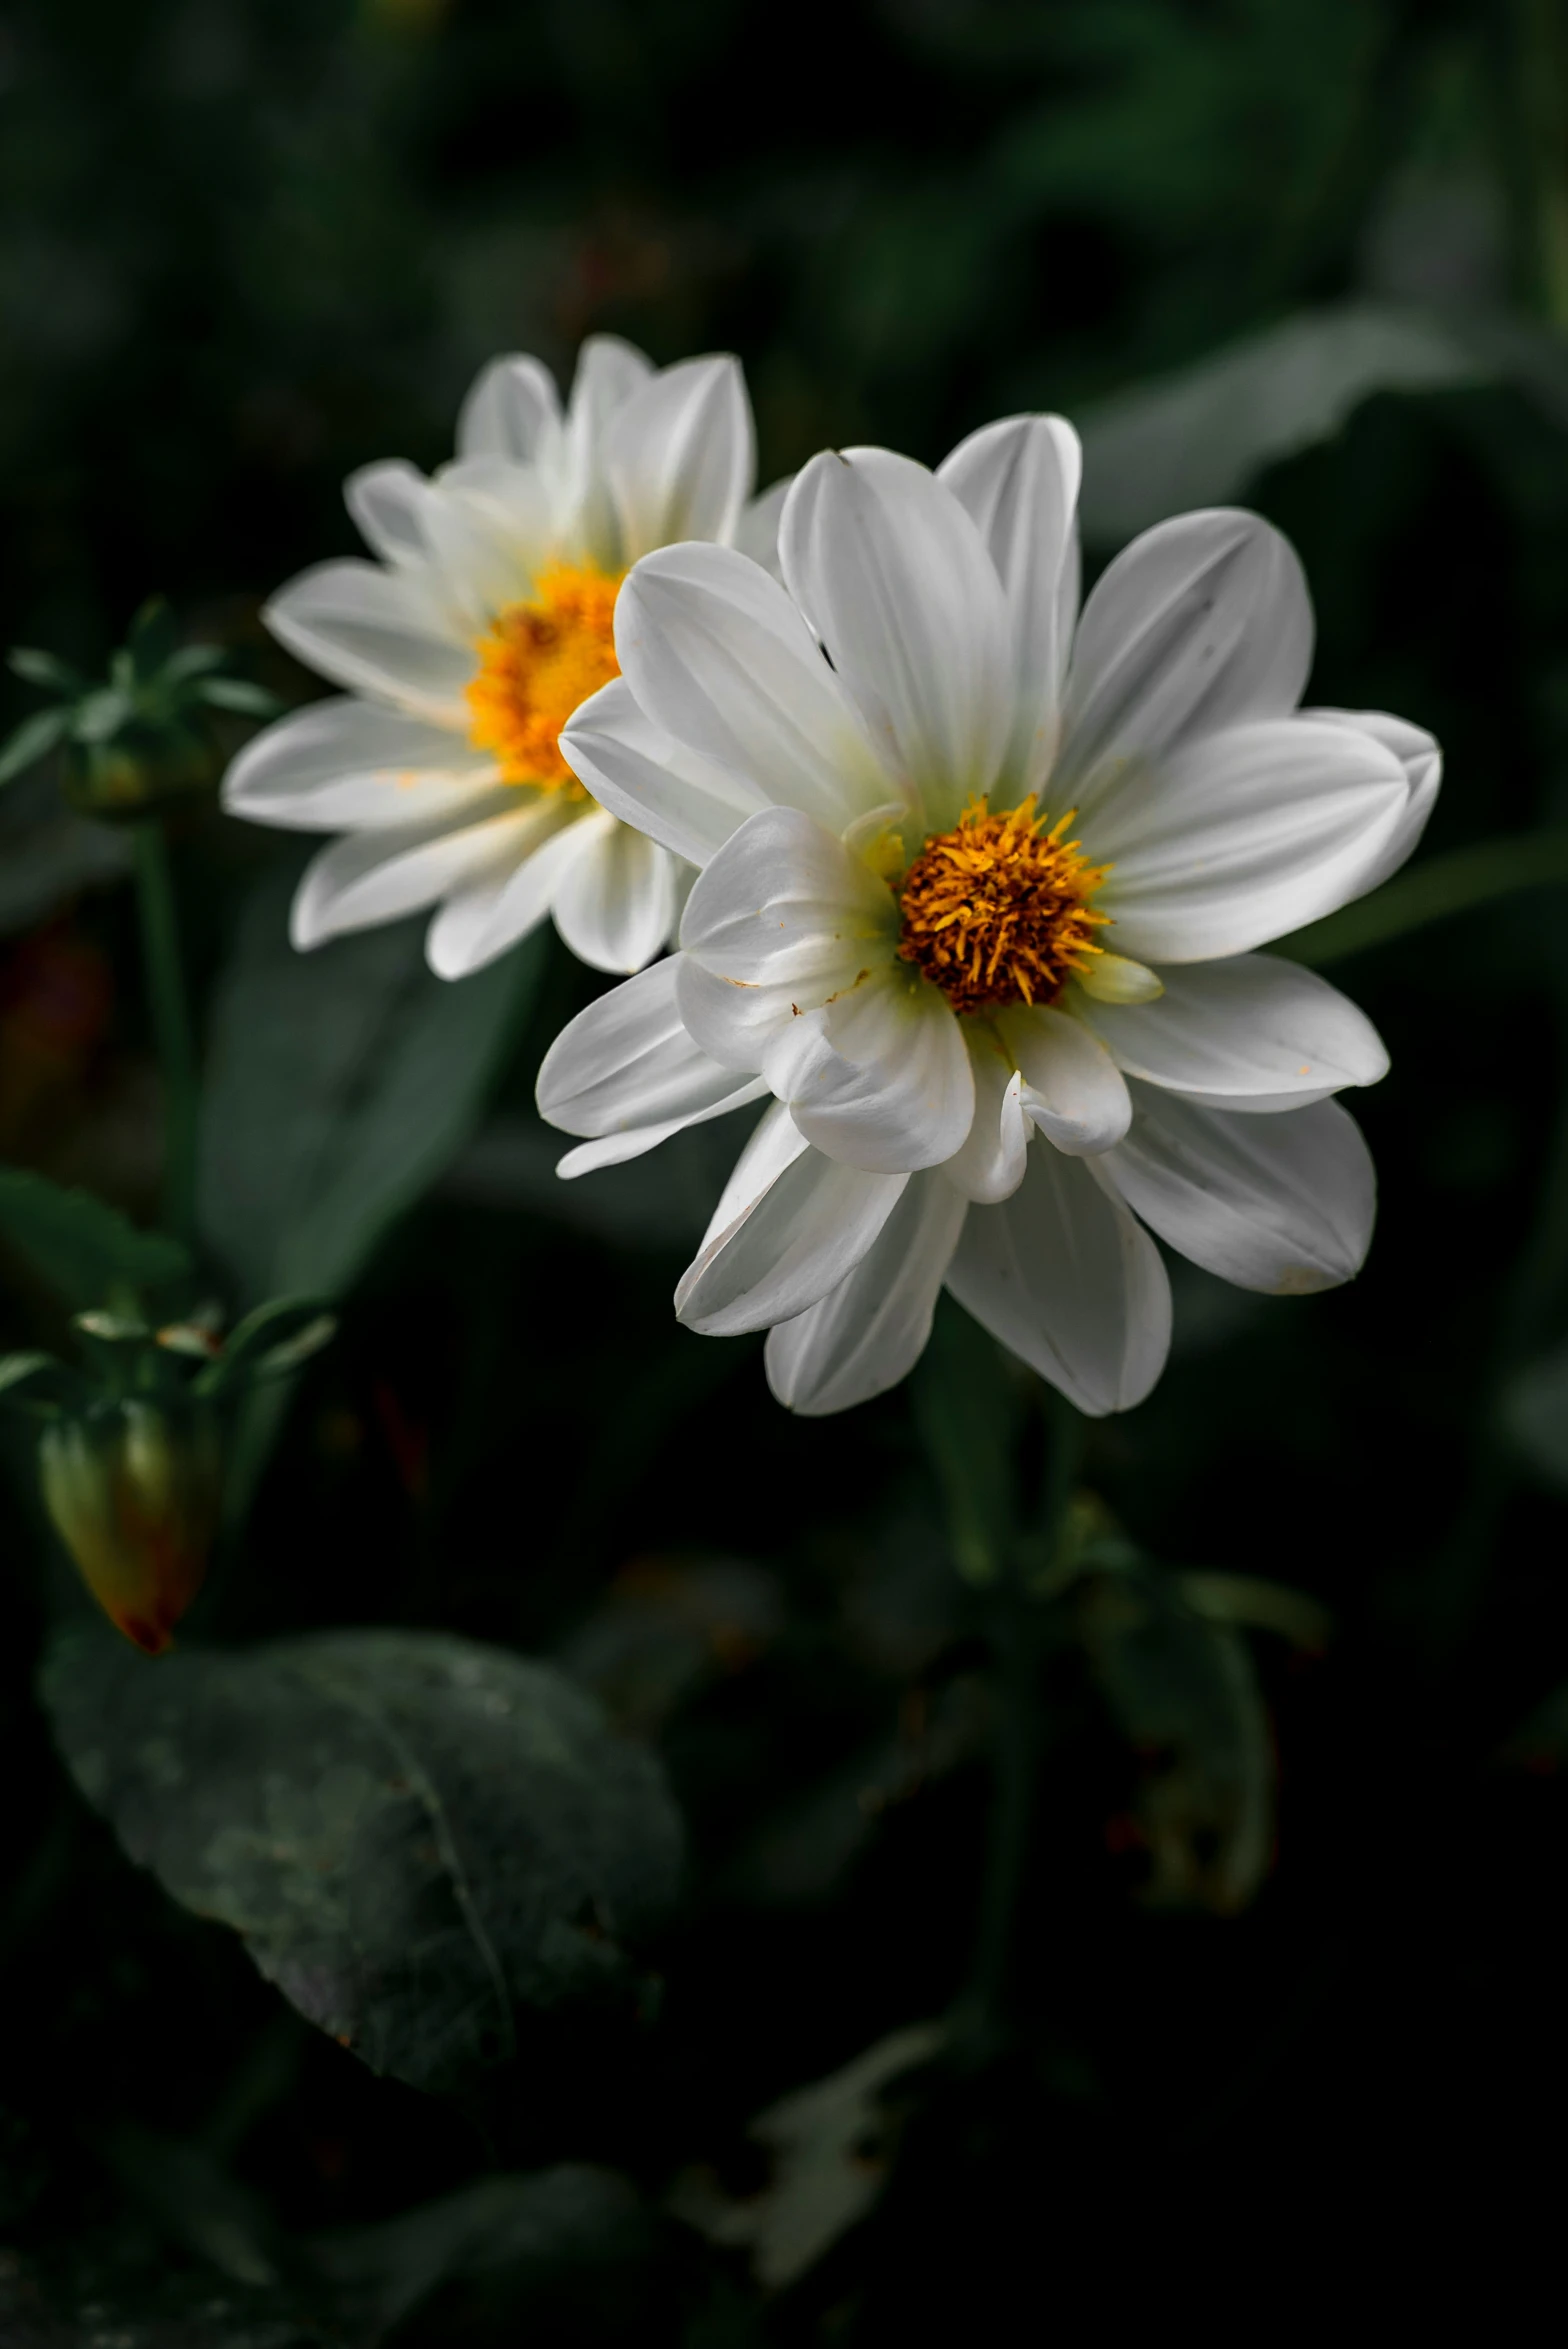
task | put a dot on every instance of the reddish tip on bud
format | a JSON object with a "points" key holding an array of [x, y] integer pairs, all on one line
{"points": [[133, 1489]]}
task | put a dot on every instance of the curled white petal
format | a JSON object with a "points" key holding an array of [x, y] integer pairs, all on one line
{"points": [[870, 1331], [1252, 1033]]}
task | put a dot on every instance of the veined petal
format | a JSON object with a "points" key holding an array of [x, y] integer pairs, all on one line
{"points": [[1066, 1278], [719, 658], [870, 1331], [1418, 753], [637, 1141], [808, 1229], [679, 455], [892, 574], [1240, 837], [689, 804], [491, 909], [384, 501], [990, 1164], [1282, 1204], [348, 765], [616, 900], [1018, 483], [1201, 623], [785, 904], [627, 1065], [1254, 1033], [609, 371], [879, 1078], [1073, 1092], [367, 878], [376, 631], [512, 411], [484, 561]]}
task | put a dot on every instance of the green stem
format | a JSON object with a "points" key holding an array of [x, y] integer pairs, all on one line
{"points": [[171, 1023], [1014, 1627]]}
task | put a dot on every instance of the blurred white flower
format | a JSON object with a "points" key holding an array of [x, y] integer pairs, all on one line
{"points": [[979, 905], [465, 648]]}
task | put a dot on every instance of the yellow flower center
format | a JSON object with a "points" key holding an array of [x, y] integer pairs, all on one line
{"points": [[540, 663], [997, 912]]}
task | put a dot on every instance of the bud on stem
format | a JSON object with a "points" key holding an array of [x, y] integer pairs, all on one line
{"points": [[133, 1488]]}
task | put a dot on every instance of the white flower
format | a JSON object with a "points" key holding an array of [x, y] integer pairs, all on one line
{"points": [[981, 896], [485, 622]]}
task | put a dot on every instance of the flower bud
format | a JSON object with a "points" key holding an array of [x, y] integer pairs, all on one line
{"points": [[133, 1489]]}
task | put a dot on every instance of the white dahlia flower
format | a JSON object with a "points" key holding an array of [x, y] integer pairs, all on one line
{"points": [[465, 648], [979, 906]]}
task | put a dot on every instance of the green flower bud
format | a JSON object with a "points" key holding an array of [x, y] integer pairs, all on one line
{"points": [[133, 1488]]}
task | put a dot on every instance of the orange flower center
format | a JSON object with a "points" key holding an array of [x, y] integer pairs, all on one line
{"points": [[540, 663], [996, 911]]}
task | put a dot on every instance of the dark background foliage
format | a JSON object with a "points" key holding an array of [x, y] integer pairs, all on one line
{"points": [[247, 245]]}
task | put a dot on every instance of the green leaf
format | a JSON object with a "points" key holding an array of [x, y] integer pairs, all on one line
{"points": [[1182, 1688], [273, 1340], [192, 660], [235, 693], [44, 670], [32, 740], [1534, 1410], [102, 713], [491, 2250], [79, 1245], [416, 1836], [153, 637], [967, 1408], [1198, 437], [340, 1084], [1435, 891], [38, 1382]]}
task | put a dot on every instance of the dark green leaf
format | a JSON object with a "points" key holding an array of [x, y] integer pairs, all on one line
{"points": [[416, 1836], [38, 1380], [153, 636], [276, 1338], [32, 740], [100, 714], [192, 660], [1183, 1690], [340, 1084], [1435, 890], [493, 2248], [1197, 438], [235, 693], [45, 670], [966, 1408], [80, 1246]]}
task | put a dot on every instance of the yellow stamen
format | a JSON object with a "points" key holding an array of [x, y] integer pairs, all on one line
{"points": [[540, 663], [996, 911]]}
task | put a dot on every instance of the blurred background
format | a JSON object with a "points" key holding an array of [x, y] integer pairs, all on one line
{"points": [[1293, 1943]]}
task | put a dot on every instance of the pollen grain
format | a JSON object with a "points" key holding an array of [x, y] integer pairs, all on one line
{"points": [[997, 911], [540, 662]]}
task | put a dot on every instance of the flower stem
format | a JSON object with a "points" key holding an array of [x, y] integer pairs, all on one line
{"points": [[171, 1023], [1014, 1628]]}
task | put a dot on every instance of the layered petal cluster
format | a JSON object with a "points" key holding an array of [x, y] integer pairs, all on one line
{"points": [[984, 879], [483, 622]]}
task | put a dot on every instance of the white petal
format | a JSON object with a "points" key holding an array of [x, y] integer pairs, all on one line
{"points": [[719, 658], [892, 574], [1202, 622], [684, 801], [1073, 1092], [679, 455], [491, 909], [1254, 1033], [367, 878], [774, 1143], [1282, 1204], [385, 503], [609, 370], [1419, 755], [1065, 1277], [619, 1149], [345, 765], [378, 631], [807, 1230], [990, 1164], [1018, 483], [784, 907], [482, 556], [880, 1078], [757, 531], [616, 901], [510, 411], [626, 1065], [870, 1331], [1243, 836]]}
